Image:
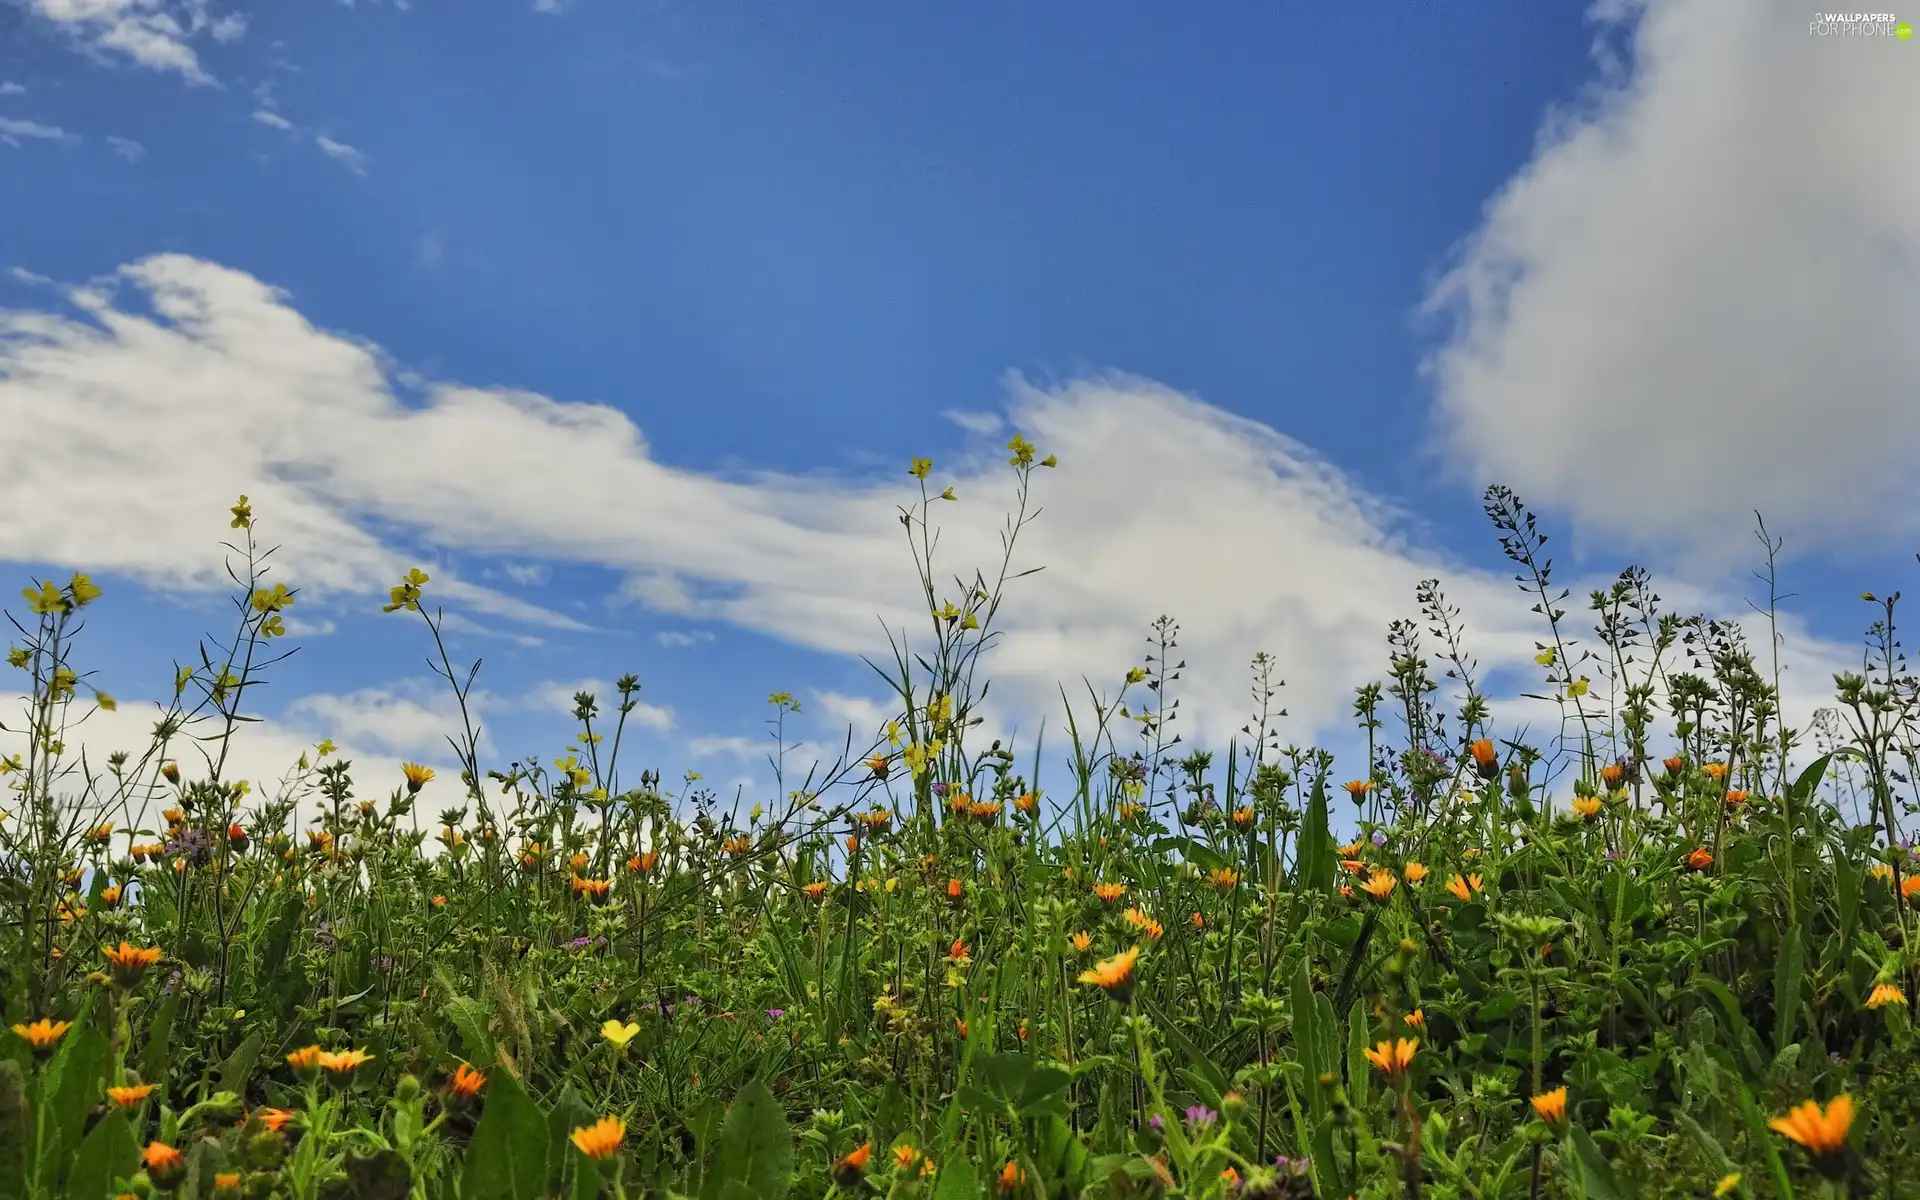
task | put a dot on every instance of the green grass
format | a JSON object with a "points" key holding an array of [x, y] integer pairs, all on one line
{"points": [[1606, 965]]}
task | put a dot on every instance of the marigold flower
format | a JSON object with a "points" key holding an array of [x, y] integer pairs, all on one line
{"points": [[1414, 872], [1114, 975], [130, 962], [595, 890], [1465, 887], [1715, 771], [164, 1165], [1884, 994], [341, 1064], [1736, 797], [1380, 885], [880, 765], [1485, 760], [853, 1165], [737, 846], [1700, 859], [43, 1035], [110, 897], [1357, 789], [1199, 922], [1027, 802], [172, 816], [1081, 941], [1588, 807], [305, 1059], [131, 1096], [417, 777], [1417, 1019], [1354, 866], [1611, 775], [1109, 892], [466, 1082], [1243, 818], [600, 1139], [1822, 1133], [1011, 1176], [1223, 878], [1551, 1106], [1393, 1057], [954, 889], [226, 1183], [274, 1119], [1909, 886]]}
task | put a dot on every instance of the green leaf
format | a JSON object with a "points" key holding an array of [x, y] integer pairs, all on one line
{"points": [[1315, 855], [509, 1155], [1787, 971], [75, 1080], [756, 1147], [239, 1065], [153, 1064], [1357, 1054], [957, 1182], [107, 1153], [569, 1112], [1597, 1179]]}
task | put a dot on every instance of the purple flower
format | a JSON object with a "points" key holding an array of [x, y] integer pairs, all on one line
{"points": [[384, 963], [939, 789], [1155, 1122], [774, 1014], [1379, 839], [1199, 1116]]}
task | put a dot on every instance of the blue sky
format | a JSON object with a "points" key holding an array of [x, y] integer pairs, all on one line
{"points": [[1286, 288]]}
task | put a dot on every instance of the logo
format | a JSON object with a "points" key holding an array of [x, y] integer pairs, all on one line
{"points": [[1859, 24]]}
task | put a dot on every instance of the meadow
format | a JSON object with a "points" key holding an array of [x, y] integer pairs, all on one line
{"points": [[1662, 953]]}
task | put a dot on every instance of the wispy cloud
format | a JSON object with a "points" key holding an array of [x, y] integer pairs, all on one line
{"points": [[680, 639], [558, 696], [272, 120], [14, 131], [1699, 297], [127, 148], [347, 156], [10, 88], [156, 34], [430, 251], [552, 8]]}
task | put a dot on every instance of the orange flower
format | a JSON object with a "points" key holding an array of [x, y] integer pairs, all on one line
{"points": [[275, 1119], [595, 890], [110, 897], [1715, 771], [880, 765], [1674, 765], [1465, 887], [876, 821], [815, 890], [1485, 760], [305, 1059], [1223, 878], [1199, 922], [1736, 797], [958, 953], [1243, 818], [1380, 885], [1081, 941], [1011, 1176], [955, 889], [1027, 802], [1415, 872], [1114, 975], [1417, 1019], [466, 1082], [1884, 994], [1357, 789], [1822, 1133], [1552, 1106], [1109, 892], [130, 962], [1354, 866], [1700, 859], [43, 1034], [1611, 775], [417, 777], [164, 1164], [737, 846], [600, 1139], [960, 1026], [226, 1183], [1393, 1057], [853, 1165], [342, 1064], [643, 864], [1909, 886], [129, 1097]]}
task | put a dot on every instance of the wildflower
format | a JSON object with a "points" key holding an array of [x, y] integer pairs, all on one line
{"points": [[1700, 859], [1736, 797], [171, 771], [1131, 811], [274, 1119], [1674, 765], [876, 821], [1823, 1134], [110, 897], [466, 1082], [1465, 887], [618, 1033], [880, 765], [1485, 760], [1081, 941], [1027, 802], [342, 1064], [1715, 771], [1199, 1116], [904, 1154], [1417, 1019], [985, 810], [958, 953], [1357, 789], [1354, 866], [1727, 1183], [1380, 885], [1551, 1106], [1199, 922], [130, 1097], [439, 901], [101, 833], [595, 890], [305, 1059], [815, 890], [237, 837], [1909, 886], [960, 1026], [164, 1165], [1610, 775], [1114, 975], [226, 1183], [43, 1035], [954, 889], [172, 816], [1414, 872], [1884, 994], [1588, 807], [737, 846], [1109, 892], [852, 1167], [1011, 1176], [1223, 878], [1243, 818], [1393, 1057], [600, 1139], [130, 962]]}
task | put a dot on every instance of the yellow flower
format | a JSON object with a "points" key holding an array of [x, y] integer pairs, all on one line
{"points": [[1109, 892], [1465, 887], [1822, 1133], [1415, 872], [619, 1034], [1393, 1057], [1379, 885], [1082, 941], [1223, 878], [129, 1097], [342, 1064], [1552, 1106], [305, 1059], [43, 1034], [130, 962], [1726, 1185], [919, 467], [1884, 994], [600, 1139], [1114, 975], [1587, 806], [466, 1082], [417, 776]]}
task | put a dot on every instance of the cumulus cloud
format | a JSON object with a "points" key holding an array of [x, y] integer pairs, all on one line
{"points": [[127, 148], [411, 718], [1162, 504], [156, 34], [10, 88], [1699, 297], [556, 696], [14, 131]]}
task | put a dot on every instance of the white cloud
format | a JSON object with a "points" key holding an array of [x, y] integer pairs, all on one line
{"points": [[13, 131], [347, 156], [742, 748], [1699, 297], [556, 696], [10, 88], [127, 148], [272, 120], [985, 424], [156, 34], [552, 8], [1162, 504], [677, 639], [867, 717], [430, 251], [413, 718]]}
